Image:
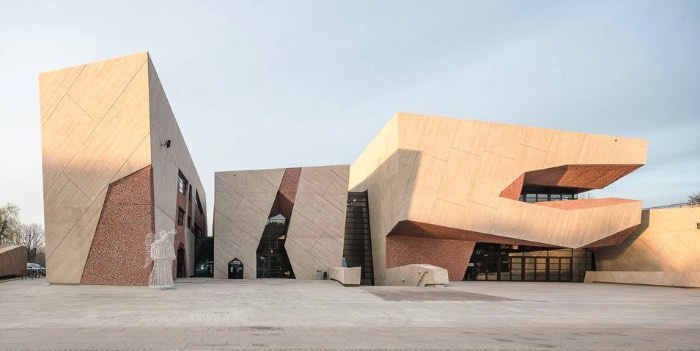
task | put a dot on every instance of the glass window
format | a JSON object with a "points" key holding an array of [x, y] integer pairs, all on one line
{"points": [[531, 198], [541, 197], [566, 197], [181, 185], [180, 215]]}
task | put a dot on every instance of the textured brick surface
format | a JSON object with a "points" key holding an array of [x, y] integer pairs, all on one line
{"points": [[452, 255], [284, 202], [118, 250], [425, 230], [513, 191], [579, 176]]}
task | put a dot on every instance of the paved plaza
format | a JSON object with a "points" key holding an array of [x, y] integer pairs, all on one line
{"points": [[287, 314]]}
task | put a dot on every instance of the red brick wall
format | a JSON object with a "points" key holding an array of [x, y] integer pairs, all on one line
{"points": [[118, 250], [452, 255]]}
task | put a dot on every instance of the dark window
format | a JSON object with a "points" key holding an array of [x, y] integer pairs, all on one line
{"points": [[181, 183], [198, 203], [180, 215], [526, 263]]}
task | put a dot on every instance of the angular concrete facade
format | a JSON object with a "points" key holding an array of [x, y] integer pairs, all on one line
{"points": [[664, 250], [109, 178], [426, 191], [450, 183], [314, 203], [437, 186]]}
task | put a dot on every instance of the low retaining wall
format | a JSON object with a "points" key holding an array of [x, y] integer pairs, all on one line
{"points": [[345, 275], [678, 279], [417, 275]]}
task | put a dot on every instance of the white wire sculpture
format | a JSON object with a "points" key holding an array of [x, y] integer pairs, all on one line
{"points": [[162, 253]]}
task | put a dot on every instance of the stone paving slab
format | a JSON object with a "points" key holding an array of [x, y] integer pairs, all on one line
{"points": [[204, 314]]}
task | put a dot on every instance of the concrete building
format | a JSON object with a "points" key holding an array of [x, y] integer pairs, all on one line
{"points": [[451, 193], [438, 197], [116, 168], [664, 250]]}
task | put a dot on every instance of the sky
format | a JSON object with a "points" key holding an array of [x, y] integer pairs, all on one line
{"points": [[306, 83]]}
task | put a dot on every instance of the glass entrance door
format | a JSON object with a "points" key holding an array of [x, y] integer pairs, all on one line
{"points": [[272, 259]]}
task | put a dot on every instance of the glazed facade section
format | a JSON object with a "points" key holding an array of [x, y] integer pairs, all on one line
{"points": [[113, 155]]}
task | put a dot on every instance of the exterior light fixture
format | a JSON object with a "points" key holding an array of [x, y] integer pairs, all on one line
{"points": [[166, 144]]}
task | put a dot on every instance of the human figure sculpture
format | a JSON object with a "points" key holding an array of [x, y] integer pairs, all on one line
{"points": [[162, 253]]}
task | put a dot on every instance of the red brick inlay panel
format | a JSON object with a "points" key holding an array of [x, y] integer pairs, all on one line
{"points": [[452, 255], [579, 176], [284, 202], [615, 239], [572, 205], [513, 191], [118, 250], [426, 230]]}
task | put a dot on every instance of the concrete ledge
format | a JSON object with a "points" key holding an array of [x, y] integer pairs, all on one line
{"points": [[348, 276], [417, 275], [677, 279]]}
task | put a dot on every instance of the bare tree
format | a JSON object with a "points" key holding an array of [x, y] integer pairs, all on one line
{"points": [[694, 199], [10, 226], [32, 238], [586, 196]]}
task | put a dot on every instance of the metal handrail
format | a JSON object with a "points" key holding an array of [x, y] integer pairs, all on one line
{"points": [[678, 205]]}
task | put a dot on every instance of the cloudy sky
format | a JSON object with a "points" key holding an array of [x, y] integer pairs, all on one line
{"points": [[282, 84]]}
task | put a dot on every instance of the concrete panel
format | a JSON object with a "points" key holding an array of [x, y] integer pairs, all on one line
{"points": [[458, 177], [502, 140], [438, 137], [346, 276], [537, 138], [666, 241], [564, 148], [317, 226], [65, 264], [53, 87], [417, 275], [100, 84], [13, 260], [243, 200], [102, 155], [471, 137], [62, 137]]}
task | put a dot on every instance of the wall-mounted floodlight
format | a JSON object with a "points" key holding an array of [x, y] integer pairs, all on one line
{"points": [[166, 144]]}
